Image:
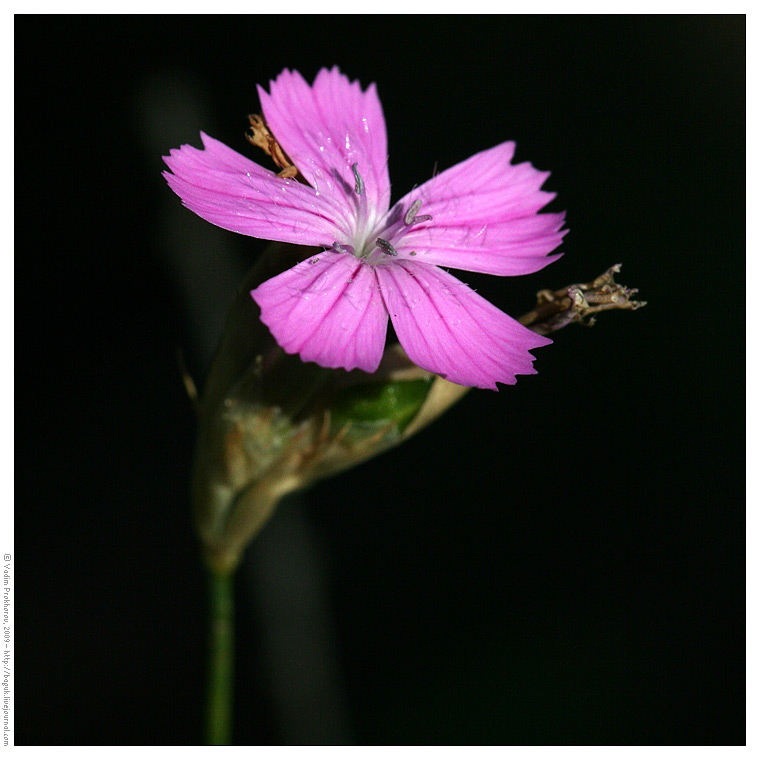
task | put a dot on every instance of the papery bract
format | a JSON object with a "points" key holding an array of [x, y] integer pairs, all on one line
{"points": [[480, 215]]}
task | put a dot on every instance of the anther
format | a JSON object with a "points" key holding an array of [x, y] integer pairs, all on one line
{"points": [[358, 181], [411, 215], [386, 247], [413, 209], [342, 248]]}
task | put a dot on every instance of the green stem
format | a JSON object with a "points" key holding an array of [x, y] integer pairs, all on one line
{"points": [[222, 658]]}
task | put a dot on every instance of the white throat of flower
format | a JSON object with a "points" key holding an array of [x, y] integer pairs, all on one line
{"points": [[373, 239]]}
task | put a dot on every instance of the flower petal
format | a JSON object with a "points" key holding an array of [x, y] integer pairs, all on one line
{"points": [[485, 217], [447, 328], [327, 128], [328, 309], [231, 191]]}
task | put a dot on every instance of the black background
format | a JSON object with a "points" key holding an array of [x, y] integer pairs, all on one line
{"points": [[561, 562]]}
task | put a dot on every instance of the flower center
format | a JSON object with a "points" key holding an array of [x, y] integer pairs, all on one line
{"points": [[374, 243]]}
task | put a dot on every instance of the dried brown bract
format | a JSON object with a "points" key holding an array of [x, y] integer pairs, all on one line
{"points": [[261, 137], [556, 309]]}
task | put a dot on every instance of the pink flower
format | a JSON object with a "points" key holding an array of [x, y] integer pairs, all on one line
{"points": [[332, 308]]}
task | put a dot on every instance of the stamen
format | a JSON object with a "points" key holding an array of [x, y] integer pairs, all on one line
{"points": [[411, 215], [386, 247], [342, 248], [359, 182]]}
